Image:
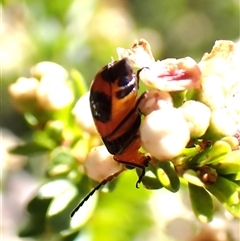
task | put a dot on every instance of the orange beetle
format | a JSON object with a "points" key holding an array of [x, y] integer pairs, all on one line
{"points": [[114, 104]]}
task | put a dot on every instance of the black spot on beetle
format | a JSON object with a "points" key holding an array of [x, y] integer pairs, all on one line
{"points": [[100, 104], [120, 71]]}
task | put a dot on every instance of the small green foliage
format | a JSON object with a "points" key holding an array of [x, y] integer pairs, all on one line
{"points": [[228, 193], [28, 149], [150, 180], [167, 176], [202, 203]]}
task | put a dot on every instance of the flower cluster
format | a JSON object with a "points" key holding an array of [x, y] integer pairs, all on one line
{"points": [[192, 119], [208, 93], [221, 88], [190, 126], [47, 89]]}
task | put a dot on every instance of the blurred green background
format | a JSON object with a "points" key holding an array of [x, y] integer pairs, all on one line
{"points": [[84, 34]]}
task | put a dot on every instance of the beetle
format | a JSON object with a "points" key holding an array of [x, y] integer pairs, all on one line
{"points": [[114, 105]]}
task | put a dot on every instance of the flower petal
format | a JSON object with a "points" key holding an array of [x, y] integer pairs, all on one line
{"points": [[172, 74]]}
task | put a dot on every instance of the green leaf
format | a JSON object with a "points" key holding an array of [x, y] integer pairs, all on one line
{"points": [[54, 130], [38, 205], [202, 203], [36, 222], [228, 164], [192, 177], [71, 235], [35, 225], [228, 193], [42, 139], [31, 119], [167, 176], [61, 161], [58, 214], [199, 158], [54, 188], [234, 210], [233, 177], [28, 149], [66, 196], [150, 180], [79, 83], [61, 202], [210, 154]]}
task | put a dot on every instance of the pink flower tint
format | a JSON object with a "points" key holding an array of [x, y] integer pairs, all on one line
{"points": [[172, 75]]}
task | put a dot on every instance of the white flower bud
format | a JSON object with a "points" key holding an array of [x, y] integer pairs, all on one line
{"points": [[155, 100], [172, 74], [23, 93], [197, 116], [48, 68], [83, 115], [212, 93], [221, 88], [222, 123], [99, 164], [164, 133], [53, 93]]}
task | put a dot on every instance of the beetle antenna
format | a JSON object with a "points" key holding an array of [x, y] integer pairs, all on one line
{"points": [[103, 182]]}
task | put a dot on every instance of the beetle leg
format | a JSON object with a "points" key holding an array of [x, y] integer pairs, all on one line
{"points": [[140, 177], [135, 160], [147, 160], [140, 98]]}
